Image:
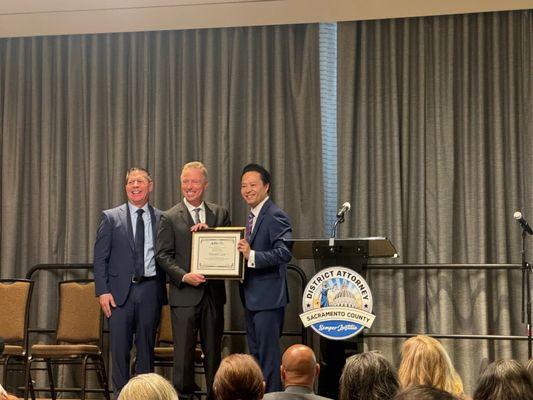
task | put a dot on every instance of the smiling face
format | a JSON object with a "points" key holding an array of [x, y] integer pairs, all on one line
{"points": [[193, 185], [253, 189], [138, 188]]}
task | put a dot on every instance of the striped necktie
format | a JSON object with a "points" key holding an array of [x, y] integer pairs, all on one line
{"points": [[249, 225]]}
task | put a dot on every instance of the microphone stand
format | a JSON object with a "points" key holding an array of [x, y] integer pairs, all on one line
{"points": [[339, 221], [526, 295]]}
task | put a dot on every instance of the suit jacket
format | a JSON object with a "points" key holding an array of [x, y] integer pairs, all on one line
{"points": [[114, 254], [265, 286], [294, 393], [174, 241]]}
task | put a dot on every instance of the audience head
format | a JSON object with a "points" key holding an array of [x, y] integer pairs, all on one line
{"points": [[148, 387], [424, 392], [504, 380], [368, 376], [299, 366], [239, 377], [424, 361], [529, 367]]}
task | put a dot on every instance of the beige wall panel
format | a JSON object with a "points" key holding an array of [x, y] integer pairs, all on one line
{"points": [[55, 17]]}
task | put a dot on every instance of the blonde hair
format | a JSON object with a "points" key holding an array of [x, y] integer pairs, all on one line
{"points": [[138, 169], [196, 165], [148, 387], [239, 377], [424, 361]]}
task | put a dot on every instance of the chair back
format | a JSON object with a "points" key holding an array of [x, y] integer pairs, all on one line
{"points": [[15, 295], [80, 317]]}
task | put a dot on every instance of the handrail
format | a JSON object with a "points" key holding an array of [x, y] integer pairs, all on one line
{"points": [[49, 267], [470, 266], [370, 267]]}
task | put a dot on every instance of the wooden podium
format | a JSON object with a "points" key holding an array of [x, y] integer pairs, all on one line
{"points": [[351, 253]]}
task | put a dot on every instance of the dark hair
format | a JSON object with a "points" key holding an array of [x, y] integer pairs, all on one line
{"points": [[239, 377], [368, 376], [504, 380], [424, 392], [265, 175]]}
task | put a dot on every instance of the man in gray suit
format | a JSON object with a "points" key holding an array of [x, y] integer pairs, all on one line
{"points": [[299, 370], [196, 303]]}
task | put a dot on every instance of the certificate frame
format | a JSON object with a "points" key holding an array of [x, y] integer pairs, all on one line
{"points": [[214, 253]]}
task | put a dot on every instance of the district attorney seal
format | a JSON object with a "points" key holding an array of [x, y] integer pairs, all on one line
{"points": [[337, 303]]}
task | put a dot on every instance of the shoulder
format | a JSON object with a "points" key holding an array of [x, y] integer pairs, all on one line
{"points": [[273, 210], [114, 212], [157, 211], [215, 207], [273, 396], [174, 210]]}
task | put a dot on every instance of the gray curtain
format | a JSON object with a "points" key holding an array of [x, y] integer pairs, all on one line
{"points": [[77, 111], [435, 152]]}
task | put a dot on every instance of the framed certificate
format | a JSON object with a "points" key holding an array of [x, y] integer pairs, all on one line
{"points": [[214, 253]]}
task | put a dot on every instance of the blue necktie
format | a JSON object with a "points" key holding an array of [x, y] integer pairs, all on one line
{"points": [[139, 244]]}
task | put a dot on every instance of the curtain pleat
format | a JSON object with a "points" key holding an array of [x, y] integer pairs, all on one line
{"points": [[435, 133], [77, 111]]}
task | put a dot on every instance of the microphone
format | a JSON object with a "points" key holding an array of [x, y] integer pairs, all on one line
{"points": [[345, 208], [523, 223]]}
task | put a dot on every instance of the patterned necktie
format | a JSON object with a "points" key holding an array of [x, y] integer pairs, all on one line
{"points": [[249, 225], [197, 215], [139, 244]]}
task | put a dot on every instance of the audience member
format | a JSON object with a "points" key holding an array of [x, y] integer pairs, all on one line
{"points": [[368, 376], [299, 370], [424, 392], [529, 367], [504, 380], [148, 387], [239, 377], [5, 396], [424, 361]]}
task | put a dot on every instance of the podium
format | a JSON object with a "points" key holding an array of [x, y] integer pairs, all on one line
{"points": [[351, 253]]}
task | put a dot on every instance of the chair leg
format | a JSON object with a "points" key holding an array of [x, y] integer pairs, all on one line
{"points": [[27, 379], [102, 376], [51, 380], [84, 377], [4, 373]]}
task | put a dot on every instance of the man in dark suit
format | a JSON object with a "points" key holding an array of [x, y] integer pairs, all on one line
{"points": [[299, 370], [129, 284], [264, 291], [196, 303]]}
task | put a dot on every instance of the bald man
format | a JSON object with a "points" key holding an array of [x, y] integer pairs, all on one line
{"points": [[299, 370]]}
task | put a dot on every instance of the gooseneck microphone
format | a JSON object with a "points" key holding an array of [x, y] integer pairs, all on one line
{"points": [[344, 209], [522, 221]]}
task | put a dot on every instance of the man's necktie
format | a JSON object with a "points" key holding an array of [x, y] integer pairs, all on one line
{"points": [[197, 215], [249, 225], [139, 244]]}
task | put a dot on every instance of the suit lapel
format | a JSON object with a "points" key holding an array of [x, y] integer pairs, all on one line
{"points": [[185, 214], [260, 218], [154, 220], [210, 219], [125, 219]]}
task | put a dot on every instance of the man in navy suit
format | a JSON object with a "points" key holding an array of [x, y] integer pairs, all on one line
{"points": [[264, 291], [129, 284]]}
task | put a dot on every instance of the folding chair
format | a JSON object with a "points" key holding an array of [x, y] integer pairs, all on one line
{"points": [[78, 337], [15, 295]]}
